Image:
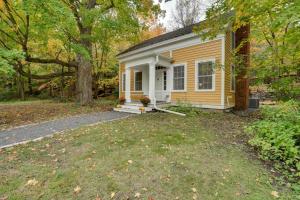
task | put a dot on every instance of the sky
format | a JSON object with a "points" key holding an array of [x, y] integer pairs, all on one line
{"points": [[169, 7]]}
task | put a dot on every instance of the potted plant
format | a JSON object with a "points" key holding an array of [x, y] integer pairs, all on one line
{"points": [[145, 101], [122, 100]]}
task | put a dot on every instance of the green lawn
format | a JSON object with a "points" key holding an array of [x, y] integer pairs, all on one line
{"points": [[153, 157]]}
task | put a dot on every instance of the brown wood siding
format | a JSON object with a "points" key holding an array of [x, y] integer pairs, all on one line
{"points": [[229, 95], [189, 55]]}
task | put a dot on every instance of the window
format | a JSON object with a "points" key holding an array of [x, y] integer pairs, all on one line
{"points": [[178, 77], [123, 82], [205, 75], [232, 73], [138, 81], [165, 80], [232, 40]]}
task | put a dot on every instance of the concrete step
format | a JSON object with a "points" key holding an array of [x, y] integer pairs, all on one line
{"points": [[128, 110], [136, 107]]}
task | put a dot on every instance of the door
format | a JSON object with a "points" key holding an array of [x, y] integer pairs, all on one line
{"points": [[161, 85]]}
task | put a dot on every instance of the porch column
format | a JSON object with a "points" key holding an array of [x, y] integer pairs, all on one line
{"points": [[127, 85], [152, 83]]}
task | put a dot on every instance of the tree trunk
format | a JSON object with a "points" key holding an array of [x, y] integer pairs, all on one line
{"points": [[62, 83], [30, 82], [20, 87], [84, 72]]}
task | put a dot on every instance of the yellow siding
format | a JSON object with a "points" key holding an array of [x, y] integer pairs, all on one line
{"points": [[229, 95], [166, 54], [189, 55]]}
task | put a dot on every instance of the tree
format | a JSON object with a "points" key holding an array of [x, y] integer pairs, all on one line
{"points": [[73, 23], [187, 12], [275, 31]]}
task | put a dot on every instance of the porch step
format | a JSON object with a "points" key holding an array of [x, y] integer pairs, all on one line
{"points": [[136, 107], [127, 110], [130, 108]]}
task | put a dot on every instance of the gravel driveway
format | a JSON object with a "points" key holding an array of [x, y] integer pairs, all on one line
{"points": [[27, 133]]}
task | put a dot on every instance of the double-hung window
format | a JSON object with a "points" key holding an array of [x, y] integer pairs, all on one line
{"points": [[138, 81], [179, 77], [205, 75]]}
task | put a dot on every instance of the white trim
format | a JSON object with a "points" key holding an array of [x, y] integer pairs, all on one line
{"points": [[223, 73], [213, 60], [185, 77], [187, 36], [134, 78], [122, 86], [159, 48]]}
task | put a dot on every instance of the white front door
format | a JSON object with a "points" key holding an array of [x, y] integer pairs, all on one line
{"points": [[161, 85]]}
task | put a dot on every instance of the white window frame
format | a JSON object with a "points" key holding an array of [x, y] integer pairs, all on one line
{"points": [[123, 83], [136, 71], [185, 76], [213, 60], [231, 73]]}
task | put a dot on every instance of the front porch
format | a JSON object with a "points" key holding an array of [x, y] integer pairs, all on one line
{"points": [[149, 77]]}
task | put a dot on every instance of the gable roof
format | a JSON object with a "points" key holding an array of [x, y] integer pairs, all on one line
{"points": [[171, 35], [163, 37]]}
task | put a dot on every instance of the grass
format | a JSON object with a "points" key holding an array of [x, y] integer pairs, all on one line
{"points": [[153, 156], [18, 113]]}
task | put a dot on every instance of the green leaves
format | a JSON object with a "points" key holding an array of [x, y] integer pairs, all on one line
{"points": [[277, 136]]}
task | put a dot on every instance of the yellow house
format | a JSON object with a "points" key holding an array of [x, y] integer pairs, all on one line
{"points": [[180, 67]]}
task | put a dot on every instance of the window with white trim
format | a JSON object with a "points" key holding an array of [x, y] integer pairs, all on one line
{"points": [[205, 75], [123, 82], [233, 79], [138, 81], [178, 77]]}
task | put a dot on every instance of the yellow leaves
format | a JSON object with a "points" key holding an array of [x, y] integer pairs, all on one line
{"points": [[77, 189], [54, 46], [32, 182], [130, 161]]}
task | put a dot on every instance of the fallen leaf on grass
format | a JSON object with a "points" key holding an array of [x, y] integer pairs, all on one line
{"points": [[275, 194], [112, 195], [97, 197], [194, 189], [137, 195], [130, 161], [77, 189], [32, 182]]}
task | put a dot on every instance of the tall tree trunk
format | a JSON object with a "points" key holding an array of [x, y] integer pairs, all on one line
{"points": [[20, 86], [62, 83], [84, 72], [30, 82]]}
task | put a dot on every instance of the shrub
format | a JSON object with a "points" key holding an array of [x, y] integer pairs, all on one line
{"points": [[277, 135], [145, 101], [186, 109], [122, 100]]}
